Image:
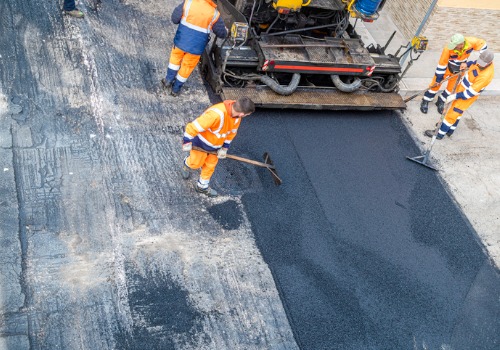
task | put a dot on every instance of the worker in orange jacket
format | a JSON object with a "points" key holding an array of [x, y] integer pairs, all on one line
{"points": [[478, 77], [212, 133], [196, 19], [453, 59]]}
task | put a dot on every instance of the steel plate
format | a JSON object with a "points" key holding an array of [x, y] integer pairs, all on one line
{"points": [[317, 98]]}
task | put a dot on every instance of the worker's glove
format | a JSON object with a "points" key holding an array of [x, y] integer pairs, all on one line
{"points": [[451, 98], [187, 147], [222, 153], [463, 66]]}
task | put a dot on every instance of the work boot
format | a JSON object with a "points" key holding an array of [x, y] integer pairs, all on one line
{"points": [[173, 93], [206, 191], [166, 84], [185, 172], [75, 13], [424, 106], [440, 105]]}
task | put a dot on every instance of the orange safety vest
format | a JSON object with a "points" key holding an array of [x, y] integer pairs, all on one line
{"points": [[475, 82], [198, 18], [214, 128], [452, 59]]}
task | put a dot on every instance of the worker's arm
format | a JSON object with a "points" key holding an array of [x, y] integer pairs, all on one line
{"points": [[478, 44], [208, 120], [219, 28], [474, 89], [442, 65], [230, 137], [177, 14]]}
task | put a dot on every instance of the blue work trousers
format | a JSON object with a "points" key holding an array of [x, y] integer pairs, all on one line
{"points": [[69, 5]]}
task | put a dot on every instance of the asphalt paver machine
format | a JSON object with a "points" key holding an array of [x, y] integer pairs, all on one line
{"points": [[302, 54]]}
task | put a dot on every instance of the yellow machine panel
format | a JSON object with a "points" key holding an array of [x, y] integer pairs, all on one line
{"points": [[292, 5], [419, 43]]}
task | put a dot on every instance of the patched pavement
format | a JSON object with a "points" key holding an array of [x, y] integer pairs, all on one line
{"points": [[105, 246]]}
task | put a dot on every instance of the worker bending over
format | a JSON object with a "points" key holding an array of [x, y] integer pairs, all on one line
{"points": [[453, 59], [478, 77], [196, 19], [211, 134]]}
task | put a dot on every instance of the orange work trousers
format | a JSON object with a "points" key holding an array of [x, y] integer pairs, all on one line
{"points": [[184, 61], [452, 117], [450, 83], [206, 161]]}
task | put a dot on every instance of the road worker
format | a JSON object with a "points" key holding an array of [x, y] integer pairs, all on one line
{"points": [[196, 19], [453, 59], [478, 77], [208, 138]]}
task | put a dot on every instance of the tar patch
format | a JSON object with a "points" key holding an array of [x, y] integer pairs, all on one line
{"points": [[235, 178], [227, 214]]}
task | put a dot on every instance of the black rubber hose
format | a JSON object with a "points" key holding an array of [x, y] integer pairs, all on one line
{"points": [[282, 89], [339, 84]]}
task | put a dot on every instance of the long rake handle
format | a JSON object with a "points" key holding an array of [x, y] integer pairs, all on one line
{"points": [[445, 111], [250, 161], [241, 159]]}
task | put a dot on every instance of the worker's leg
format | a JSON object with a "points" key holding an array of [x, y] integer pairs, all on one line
{"points": [[188, 64], [449, 89], [196, 159], [69, 5], [431, 93], [174, 64], [458, 107], [451, 117], [454, 126], [207, 170]]}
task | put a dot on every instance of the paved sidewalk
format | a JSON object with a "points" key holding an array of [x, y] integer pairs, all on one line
{"points": [[469, 161]]}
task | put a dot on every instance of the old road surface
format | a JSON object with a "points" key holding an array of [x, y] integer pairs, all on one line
{"points": [[104, 246]]}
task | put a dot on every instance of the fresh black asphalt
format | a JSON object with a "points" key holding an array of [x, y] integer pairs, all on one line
{"points": [[368, 249]]}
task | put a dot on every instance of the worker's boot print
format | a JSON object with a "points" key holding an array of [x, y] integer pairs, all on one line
{"points": [[424, 106]]}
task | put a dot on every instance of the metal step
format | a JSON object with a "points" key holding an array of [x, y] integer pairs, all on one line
{"points": [[317, 98]]}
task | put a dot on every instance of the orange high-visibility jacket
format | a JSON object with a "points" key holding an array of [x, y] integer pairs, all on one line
{"points": [[475, 82], [452, 59], [197, 20], [214, 129]]}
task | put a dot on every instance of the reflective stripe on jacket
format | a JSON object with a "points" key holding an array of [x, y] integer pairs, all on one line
{"points": [[475, 82], [193, 33], [452, 59], [214, 129]]}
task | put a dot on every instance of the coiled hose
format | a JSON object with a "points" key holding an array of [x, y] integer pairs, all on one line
{"points": [[339, 84], [284, 90]]}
